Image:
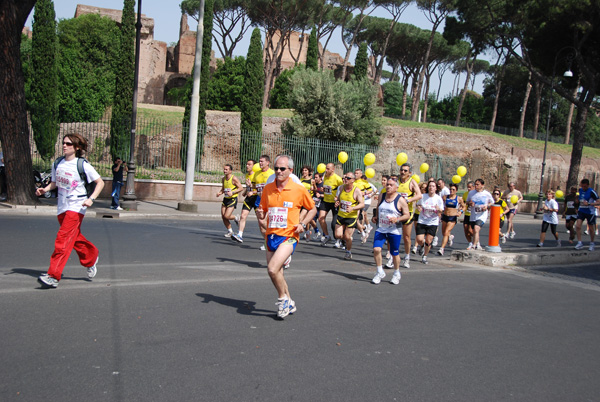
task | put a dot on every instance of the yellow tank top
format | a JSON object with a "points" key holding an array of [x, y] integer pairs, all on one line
{"points": [[228, 185], [330, 185], [261, 178], [251, 190], [346, 201], [307, 183], [405, 191]]}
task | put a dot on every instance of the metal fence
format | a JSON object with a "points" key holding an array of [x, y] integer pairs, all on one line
{"points": [[158, 156]]}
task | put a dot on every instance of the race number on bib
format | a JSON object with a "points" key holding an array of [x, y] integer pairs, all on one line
{"points": [[327, 190], [317, 201], [278, 218], [345, 206], [65, 180]]}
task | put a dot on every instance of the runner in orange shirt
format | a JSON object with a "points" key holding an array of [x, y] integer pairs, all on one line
{"points": [[280, 205]]}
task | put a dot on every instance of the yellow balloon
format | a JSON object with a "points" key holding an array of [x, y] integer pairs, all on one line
{"points": [[424, 167], [369, 159], [461, 171], [401, 158], [370, 173], [456, 179], [416, 178], [321, 168], [559, 194], [342, 157], [514, 199], [256, 167]]}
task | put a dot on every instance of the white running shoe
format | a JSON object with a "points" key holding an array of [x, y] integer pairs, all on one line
{"points": [[421, 250], [317, 236], [338, 243], [292, 306], [440, 251], [283, 307], [512, 235], [93, 269], [592, 245], [451, 241], [586, 232], [364, 237], [325, 240], [348, 255], [390, 262], [406, 263], [236, 219], [470, 246], [287, 262], [503, 239], [47, 281], [378, 277], [237, 238], [424, 260], [414, 249], [540, 245], [579, 245], [478, 247], [262, 248], [228, 234], [435, 241], [396, 278]]}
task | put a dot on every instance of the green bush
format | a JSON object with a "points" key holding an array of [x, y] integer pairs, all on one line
{"points": [[226, 87]]}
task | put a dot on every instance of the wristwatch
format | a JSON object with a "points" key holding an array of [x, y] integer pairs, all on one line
{"points": [[303, 225]]}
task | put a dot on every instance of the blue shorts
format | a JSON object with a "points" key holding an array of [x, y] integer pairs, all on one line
{"points": [[273, 242], [582, 216], [257, 203], [394, 241]]}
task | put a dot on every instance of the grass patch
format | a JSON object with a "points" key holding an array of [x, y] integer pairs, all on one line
{"points": [[278, 113], [169, 117]]}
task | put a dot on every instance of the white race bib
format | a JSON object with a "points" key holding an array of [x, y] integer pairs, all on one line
{"points": [[317, 201], [327, 190], [278, 217], [345, 206]]}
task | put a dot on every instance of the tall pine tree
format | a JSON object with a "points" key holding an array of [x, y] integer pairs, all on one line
{"points": [[204, 78], [120, 122], [251, 118], [312, 52], [43, 104], [361, 63]]}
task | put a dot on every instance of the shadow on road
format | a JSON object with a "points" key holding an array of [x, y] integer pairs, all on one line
{"points": [[350, 276], [251, 264], [244, 307], [34, 273]]}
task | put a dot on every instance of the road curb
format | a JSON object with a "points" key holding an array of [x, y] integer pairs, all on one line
{"points": [[525, 257]]}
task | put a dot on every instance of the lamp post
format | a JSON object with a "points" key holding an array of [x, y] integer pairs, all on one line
{"points": [[129, 198], [539, 212]]}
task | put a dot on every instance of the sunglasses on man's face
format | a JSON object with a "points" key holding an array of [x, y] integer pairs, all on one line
{"points": [[348, 178], [283, 169]]}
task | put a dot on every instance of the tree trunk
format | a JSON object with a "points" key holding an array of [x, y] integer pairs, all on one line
{"points": [[404, 95], [426, 97], [538, 104], [270, 67], [349, 46], [464, 92], [413, 115], [586, 99], [14, 131], [570, 115], [497, 98], [524, 106]]}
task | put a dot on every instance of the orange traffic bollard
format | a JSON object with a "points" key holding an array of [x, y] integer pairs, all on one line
{"points": [[494, 238]]}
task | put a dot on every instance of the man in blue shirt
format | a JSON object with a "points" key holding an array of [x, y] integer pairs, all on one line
{"points": [[588, 199]]}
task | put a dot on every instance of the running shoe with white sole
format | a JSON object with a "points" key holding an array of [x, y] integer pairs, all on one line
{"points": [[47, 281], [236, 219], [364, 237], [579, 245], [414, 249], [440, 251], [228, 234], [287, 262], [406, 263], [292, 306], [435, 241], [283, 307], [586, 232], [378, 277], [478, 247], [470, 246], [592, 245], [451, 241], [262, 248], [558, 244], [237, 238], [503, 239], [348, 255], [93, 270], [424, 260], [540, 245], [325, 240], [390, 262], [338, 243], [512, 235], [396, 278]]}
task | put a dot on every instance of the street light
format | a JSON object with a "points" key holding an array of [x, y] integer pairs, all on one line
{"points": [[129, 198], [539, 212]]}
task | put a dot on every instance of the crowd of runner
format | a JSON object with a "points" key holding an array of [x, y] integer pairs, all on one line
{"points": [[298, 208]]}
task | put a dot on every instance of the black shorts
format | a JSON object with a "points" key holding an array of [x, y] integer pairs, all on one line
{"points": [[412, 219], [552, 226], [446, 218], [467, 220], [250, 202], [230, 202], [348, 222], [426, 229], [328, 206]]}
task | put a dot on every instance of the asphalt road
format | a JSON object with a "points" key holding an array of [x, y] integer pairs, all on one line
{"points": [[180, 313]]}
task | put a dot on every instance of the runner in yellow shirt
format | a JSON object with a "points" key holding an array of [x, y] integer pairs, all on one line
{"points": [[409, 189], [350, 202], [331, 181], [230, 188]]}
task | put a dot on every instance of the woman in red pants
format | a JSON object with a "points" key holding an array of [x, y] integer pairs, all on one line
{"points": [[72, 204]]}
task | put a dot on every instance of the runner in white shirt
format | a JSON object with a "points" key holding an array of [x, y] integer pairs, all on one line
{"points": [[430, 209], [72, 204], [550, 218], [479, 201]]}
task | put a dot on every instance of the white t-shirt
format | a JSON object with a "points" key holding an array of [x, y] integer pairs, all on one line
{"points": [[551, 217], [386, 211], [444, 191], [481, 199], [71, 189], [431, 205]]}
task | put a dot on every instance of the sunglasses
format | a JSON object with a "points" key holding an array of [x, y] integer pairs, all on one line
{"points": [[404, 170], [496, 193], [283, 169], [348, 178], [67, 143]]}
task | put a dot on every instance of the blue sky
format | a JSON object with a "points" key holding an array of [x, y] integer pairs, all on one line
{"points": [[167, 14]]}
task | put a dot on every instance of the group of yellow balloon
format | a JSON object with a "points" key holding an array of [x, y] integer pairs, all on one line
{"points": [[401, 159]]}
